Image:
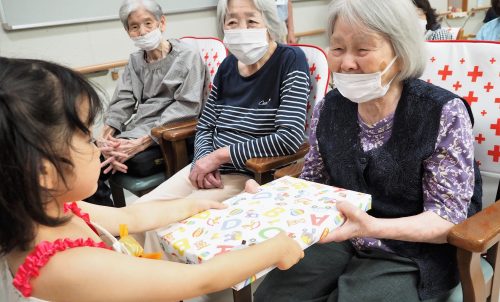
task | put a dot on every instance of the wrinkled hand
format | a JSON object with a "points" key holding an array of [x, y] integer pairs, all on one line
{"points": [[129, 147], [291, 39], [291, 251], [107, 131], [213, 180], [357, 223], [199, 175], [112, 163]]}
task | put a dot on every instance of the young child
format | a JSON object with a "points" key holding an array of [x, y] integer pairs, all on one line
{"points": [[50, 249]]}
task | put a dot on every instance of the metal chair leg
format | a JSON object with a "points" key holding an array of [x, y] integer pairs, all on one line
{"points": [[118, 195]]}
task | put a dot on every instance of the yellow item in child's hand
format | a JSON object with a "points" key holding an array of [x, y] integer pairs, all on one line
{"points": [[132, 246]]}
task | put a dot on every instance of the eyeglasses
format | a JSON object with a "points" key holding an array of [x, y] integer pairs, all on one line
{"points": [[136, 28]]}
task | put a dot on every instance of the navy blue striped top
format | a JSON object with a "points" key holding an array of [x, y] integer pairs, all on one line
{"points": [[257, 116]]}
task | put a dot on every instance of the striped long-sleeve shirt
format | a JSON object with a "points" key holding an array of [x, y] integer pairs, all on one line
{"points": [[260, 115]]}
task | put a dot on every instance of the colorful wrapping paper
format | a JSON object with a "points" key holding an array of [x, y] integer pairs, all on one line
{"points": [[304, 210]]}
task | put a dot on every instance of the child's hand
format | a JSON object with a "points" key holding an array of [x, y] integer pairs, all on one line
{"points": [[202, 205], [251, 186], [291, 251]]}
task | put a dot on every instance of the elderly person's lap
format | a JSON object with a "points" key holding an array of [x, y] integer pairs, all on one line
{"points": [[337, 272]]}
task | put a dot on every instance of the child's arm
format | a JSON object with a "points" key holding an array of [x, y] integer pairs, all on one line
{"points": [[92, 274], [146, 216]]}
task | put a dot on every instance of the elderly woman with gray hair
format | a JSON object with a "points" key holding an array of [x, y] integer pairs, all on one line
{"points": [[162, 82], [256, 107], [406, 142]]}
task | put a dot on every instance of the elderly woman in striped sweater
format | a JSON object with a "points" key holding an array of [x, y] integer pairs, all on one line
{"points": [[256, 107]]}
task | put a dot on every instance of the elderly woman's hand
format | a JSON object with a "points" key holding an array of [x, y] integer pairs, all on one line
{"points": [[130, 147], [203, 176], [358, 224]]}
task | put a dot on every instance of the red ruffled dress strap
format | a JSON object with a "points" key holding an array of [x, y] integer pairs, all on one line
{"points": [[73, 207], [43, 251]]}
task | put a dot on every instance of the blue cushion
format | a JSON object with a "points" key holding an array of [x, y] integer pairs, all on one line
{"points": [[137, 184]]}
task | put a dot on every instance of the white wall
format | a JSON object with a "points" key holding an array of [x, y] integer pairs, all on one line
{"points": [[93, 43]]}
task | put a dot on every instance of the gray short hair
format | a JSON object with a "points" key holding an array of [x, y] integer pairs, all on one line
{"points": [[396, 20], [129, 6], [267, 8]]}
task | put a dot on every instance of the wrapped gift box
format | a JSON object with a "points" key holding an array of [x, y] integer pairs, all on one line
{"points": [[304, 210]]}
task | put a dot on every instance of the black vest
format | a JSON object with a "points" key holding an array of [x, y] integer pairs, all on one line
{"points": [[393, 173]]}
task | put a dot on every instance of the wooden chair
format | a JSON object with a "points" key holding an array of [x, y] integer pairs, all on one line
{"points": [[172, 137], [470, 69]]}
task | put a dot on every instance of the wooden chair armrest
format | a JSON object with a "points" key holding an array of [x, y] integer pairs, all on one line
{"points": [[264, 164], [175, 131], [479, 232], [263, 168], [292, 170]]}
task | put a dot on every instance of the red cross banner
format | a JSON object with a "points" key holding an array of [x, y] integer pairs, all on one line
{"points": [[471, 69]]}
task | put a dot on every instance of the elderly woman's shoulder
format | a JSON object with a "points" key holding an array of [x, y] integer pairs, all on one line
{"points": [[291, 50], [183, 49]]}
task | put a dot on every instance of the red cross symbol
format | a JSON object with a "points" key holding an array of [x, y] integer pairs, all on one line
{"points": [[308, 106], [497, 100], [318, 77], [206, 56], [216, 56], [470, 98], [218, 63], [480, 138], [493, 60], [312, 69], [462, 61], [496, 127], [433, 59], [484, 112], [457, 85], [495, 153], [488, 87], [475, 73], [210, 86], [445, 72], [212, 71]]}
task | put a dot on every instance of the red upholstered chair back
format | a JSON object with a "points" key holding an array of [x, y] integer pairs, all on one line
{"points": [[212, 52], [319, 74]]}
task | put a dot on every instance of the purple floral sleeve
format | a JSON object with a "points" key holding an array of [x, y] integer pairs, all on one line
{"points": [[449, 173], [314, 169]]}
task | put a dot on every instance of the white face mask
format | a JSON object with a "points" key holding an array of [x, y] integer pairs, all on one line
{"points": [[423, 25], [149, 41], [247, 45], [362, 87]]}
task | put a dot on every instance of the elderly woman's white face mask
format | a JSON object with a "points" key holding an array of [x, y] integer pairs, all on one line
{"points": [[247, 45], [149, 41], [245, 32]]}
